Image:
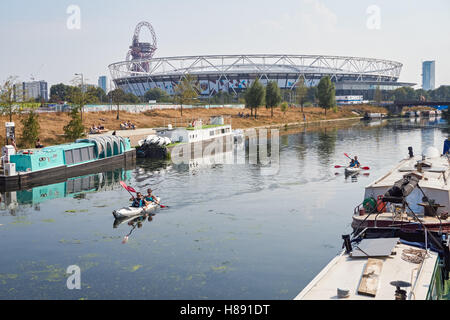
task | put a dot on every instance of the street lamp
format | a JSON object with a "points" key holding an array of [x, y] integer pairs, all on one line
{"points": [[82, 94]]}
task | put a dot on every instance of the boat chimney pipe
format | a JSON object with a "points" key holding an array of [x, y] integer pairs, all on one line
{"points": [[347, 243], [411, 153]]}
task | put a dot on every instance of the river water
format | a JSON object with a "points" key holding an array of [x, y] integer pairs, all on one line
{"points": [[230, 232]]}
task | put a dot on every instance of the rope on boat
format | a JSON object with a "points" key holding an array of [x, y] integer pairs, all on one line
{"points": [[414, 255]]}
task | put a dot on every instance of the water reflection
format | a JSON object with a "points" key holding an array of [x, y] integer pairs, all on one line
{"points": [[222, 222], [73, 187]]}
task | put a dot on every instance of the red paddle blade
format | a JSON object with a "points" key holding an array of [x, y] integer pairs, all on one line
{"points": [[346, 155], [123, 185], [337, 167], [365, 168], [131, 189]]}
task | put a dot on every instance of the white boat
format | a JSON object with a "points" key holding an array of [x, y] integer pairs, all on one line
{"points": [[352, 170], [423, 188], [385, 264], [134, 211]]}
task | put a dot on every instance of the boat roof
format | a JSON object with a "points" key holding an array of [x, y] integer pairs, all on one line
{"points": [[66, 146], [346, 273], [435, 177]]}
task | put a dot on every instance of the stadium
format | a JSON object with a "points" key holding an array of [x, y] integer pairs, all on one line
{"points": [[235, 73]]}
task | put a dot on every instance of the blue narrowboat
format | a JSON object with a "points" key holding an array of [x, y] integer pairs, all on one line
{"points": [[29, 168]]}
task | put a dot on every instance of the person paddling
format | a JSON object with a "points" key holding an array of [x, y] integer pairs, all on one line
{"points": [[354, 163], [150, 197], [139, 201]]}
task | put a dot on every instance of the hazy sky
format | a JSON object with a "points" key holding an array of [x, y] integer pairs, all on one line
{"points": [[35, 38]]}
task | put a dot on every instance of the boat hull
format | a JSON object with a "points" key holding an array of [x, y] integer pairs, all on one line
{"points": [[48, 176], [128, 212], [350, 170]]}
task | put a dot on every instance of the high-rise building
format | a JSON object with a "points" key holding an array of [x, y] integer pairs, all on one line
{"points": [[102, 80], [37, 90], [428, 75]]}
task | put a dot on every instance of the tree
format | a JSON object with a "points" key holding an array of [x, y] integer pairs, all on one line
{"points": [[378, 96], [74, 129], [311, 96], [78, 97], [156, 94], [254, 96], [186, 91], [131, 98], [300, 92], [326, 94], [59, 92], [284, 106], [10, 94], [117, 96], [31, 129], [273, 95], [98, 94]]}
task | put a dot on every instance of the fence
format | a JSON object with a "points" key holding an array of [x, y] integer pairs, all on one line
{"points": [[136, 108]]}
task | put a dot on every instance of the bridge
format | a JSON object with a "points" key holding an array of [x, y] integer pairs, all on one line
{"points": [[397, 106]]}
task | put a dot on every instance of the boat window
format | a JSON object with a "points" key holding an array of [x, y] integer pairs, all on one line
{"points": [[84, 154], [76, 155], [68, 156], [223, 130], [91, 153]]}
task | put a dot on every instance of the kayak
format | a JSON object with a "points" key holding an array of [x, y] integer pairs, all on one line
{"points": [[352, 170], [134, 211]]}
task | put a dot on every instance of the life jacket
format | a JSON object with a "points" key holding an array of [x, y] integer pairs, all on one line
{"points": [[381, 206], [137, 203]]}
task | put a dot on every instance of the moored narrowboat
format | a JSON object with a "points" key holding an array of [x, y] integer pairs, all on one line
{"points": [[28, 168]]}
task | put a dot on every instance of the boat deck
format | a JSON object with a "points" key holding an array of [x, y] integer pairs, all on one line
{"points": [[388, 219], [345, 272]]}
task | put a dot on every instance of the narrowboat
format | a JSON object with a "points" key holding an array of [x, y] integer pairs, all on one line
{"points": [[413, 195], [385, 264], [34, 167], [197, 133]]}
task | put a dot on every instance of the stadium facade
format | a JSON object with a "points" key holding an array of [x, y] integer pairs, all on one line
{"points": [[235, 73]]}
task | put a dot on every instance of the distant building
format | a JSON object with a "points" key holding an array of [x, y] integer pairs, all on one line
{"points": [[428, 75], [344, 100], [34, 90], [102, 80]]}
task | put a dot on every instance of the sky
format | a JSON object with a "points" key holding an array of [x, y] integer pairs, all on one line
{"points": [[41, 39]]}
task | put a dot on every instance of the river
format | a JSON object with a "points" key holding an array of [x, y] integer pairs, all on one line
{"points": [[230, 232]]}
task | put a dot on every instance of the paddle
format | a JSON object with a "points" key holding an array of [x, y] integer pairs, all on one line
{"points": [[130, 189], [363, 168]]}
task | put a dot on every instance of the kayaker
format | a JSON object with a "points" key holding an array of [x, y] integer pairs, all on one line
{"points": [[352, 163], [150, 197], [357, 165], [138, 201]]}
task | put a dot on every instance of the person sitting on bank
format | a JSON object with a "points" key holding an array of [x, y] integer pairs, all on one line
{"points": [[94, 129], [38, 144], [137, 202], [100, 127], [130, 125], [150, 197]]}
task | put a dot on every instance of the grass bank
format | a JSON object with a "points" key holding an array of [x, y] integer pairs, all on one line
{"points": [[52, 124]]}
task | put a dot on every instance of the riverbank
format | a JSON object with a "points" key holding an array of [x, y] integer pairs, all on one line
{"points": [[52, 124]]}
